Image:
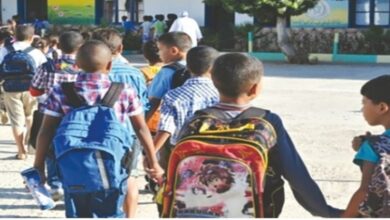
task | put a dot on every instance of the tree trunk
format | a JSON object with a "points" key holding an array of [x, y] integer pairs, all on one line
{"points": [[286, 45]]}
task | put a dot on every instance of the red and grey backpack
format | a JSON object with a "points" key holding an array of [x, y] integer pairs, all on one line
{"points": [[218, 167]]}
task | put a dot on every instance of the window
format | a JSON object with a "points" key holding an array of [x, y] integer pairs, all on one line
{"points": [[371, 12]]}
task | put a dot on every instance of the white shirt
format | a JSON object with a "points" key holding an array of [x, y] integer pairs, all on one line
{"points": [[36, 54], [188, 26], [146, 26]]}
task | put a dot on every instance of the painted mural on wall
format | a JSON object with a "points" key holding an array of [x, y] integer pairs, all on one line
{"points": [[71, 11], [327, 14]]}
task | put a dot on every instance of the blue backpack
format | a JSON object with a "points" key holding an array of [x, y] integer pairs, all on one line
{"points": [[17, 70], [91, 146]]}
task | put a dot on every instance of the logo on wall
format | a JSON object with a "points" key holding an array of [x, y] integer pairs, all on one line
{"points": [[320, 11]]}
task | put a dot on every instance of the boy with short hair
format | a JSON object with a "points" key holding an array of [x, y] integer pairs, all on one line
{"points": [[179, 104], [123, 72], [21, 105], [237, 78], [95, 58], [369, 200], [173, 48]]}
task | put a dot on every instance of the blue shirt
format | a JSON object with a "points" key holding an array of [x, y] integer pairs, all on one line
{"points": [[180, 104], [366, 153], [162, 82], [123, 72]]}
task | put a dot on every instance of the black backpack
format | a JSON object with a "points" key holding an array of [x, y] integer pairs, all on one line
{"points": [[181, 74]]}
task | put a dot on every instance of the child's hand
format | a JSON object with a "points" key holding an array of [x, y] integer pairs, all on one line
{"points": [[358, 140], [155, 172]]}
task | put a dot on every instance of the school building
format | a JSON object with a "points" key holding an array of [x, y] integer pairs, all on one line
{"points": [[327, 14]]}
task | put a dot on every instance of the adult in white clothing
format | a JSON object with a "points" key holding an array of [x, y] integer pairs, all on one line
{"points": [[189, 26]]}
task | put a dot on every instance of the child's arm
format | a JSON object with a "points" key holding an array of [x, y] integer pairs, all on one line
{"points": [[143, 133], [160, 139], [352, 210], [44, 140]]}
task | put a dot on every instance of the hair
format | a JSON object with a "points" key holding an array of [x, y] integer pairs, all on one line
{"points": [[180, 40], [209, 172], [124, 18], [145, 18], [4, 35], [87, 35], [70, 42], [200, 59], [53, 39], [40, 43], [160, 17], [150, 51], [172, 16], [234, 74], [93, 56], [110, 37], [24, 32], [377, 89]]}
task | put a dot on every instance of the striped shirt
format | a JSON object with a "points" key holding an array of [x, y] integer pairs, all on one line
{"points": [[180, 104], [93, 87]]}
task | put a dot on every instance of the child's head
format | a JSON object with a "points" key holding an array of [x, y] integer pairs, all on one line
{"points": [[94, 57], [146, 18], [216, 177], [151, 53], [4, 35], [41, 44], [54, 40], [70, 42], [173, 46], [124, 18], [200, 59], [160, 17], [237, 75], [111, 38], [24, 33], [376, 100]]}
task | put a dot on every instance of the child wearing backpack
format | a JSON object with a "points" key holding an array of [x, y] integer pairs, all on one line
{"points": [[372, 198], [181, 103], [150, 52], [251, 143], [123, 72], [173, 48], [16, 79], [86, 122]]}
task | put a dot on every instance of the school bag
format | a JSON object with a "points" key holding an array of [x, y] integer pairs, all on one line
{"points": [[91, 146], [218, 167], [377, 201], [17, 69], [180, 75]]}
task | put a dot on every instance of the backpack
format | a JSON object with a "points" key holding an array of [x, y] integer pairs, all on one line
{"points": [[17, 70], [91, 146], [180, 75], [377, 201], [218, 167]]}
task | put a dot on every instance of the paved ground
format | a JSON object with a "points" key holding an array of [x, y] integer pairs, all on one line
{"points": [[320, 107]]}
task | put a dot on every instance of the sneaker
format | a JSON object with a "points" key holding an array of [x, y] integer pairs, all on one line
{"points": [[57, 194]]}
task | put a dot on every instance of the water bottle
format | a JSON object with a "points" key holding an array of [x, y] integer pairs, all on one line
{"points": [[37, 189]]}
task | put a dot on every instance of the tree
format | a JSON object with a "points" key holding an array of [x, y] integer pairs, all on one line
{"points": [[269, 9]]}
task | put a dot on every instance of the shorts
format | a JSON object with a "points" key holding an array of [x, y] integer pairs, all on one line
{"points": [[19, 105], [135, 158]]}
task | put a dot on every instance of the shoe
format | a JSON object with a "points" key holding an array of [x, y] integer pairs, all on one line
{"points": [[57, 194], [21, 156]]}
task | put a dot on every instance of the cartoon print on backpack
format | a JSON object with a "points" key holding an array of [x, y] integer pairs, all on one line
{"points": [[216, 187]]}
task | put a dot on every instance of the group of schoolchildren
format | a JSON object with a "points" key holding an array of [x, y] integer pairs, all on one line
{"points": [[153, 28], [162, 98]]}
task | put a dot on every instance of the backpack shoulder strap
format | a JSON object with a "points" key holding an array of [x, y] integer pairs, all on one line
{"points": [[113, 94], [252, 112], [74, 99], [28, 49], [175, 66]]}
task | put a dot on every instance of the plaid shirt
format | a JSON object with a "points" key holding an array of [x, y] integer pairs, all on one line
{"points": [[180, 104], [66, 71], [92, 87]]}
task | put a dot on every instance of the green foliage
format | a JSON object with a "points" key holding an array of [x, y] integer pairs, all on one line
{"points": [[264, 9]]}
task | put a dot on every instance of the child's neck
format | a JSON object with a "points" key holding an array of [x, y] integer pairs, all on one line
{"points": [[241, 101]]}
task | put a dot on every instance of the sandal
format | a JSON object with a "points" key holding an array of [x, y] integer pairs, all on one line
{"points": [[21, 156]]}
